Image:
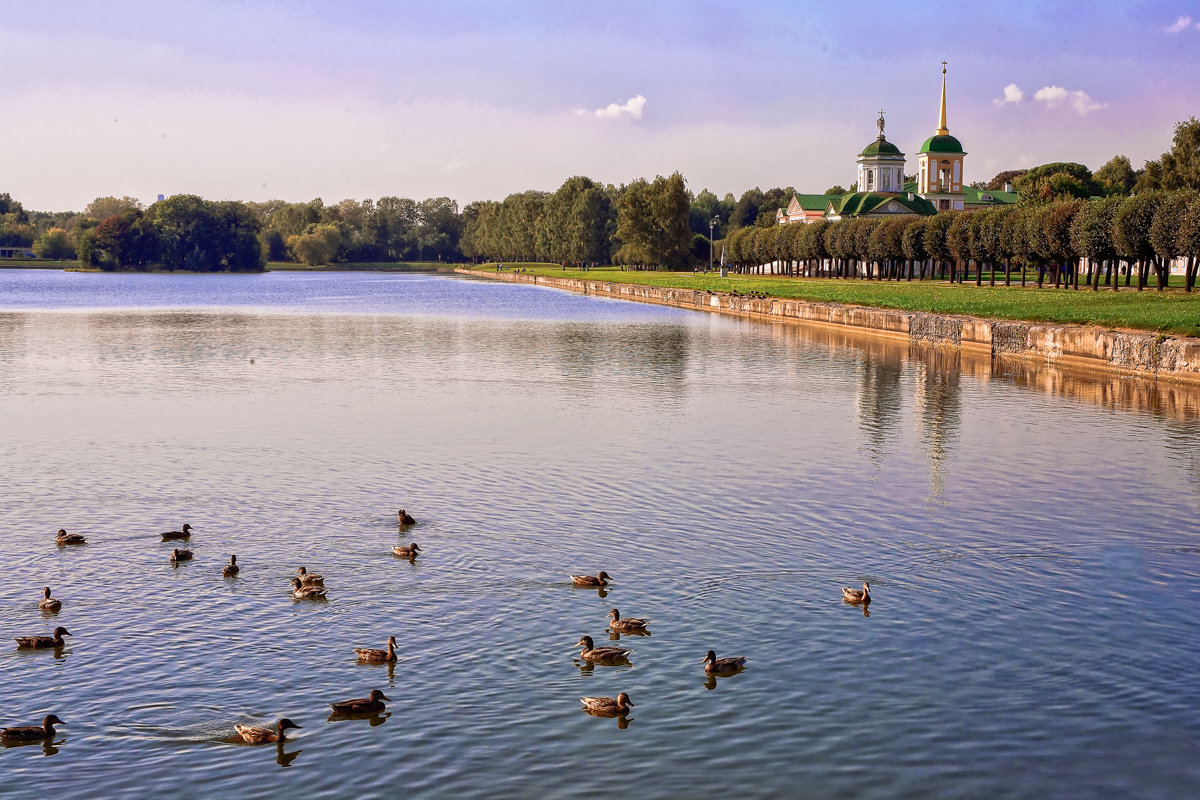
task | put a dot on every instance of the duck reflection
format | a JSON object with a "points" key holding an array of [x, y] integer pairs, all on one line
{"points": [[49, 746], [285, 759], [373, 718]]}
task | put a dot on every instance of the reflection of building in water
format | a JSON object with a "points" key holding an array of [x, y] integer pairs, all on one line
{"points": [[880, 398], [938, 397]]}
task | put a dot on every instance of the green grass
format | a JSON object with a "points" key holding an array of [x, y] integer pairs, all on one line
{"points": [[36, 263], [1170, 311], [364, 266]]}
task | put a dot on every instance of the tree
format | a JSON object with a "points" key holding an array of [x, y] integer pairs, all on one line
{"points": [[54, 244], [997, 183], [15, 228], [104, 207], [439, 228], [128, 239], [318, 245], [1167, 235], [1179, 168], [201, 236], [1092, 235], [652, 222], [836, 190], [1056, 181], [1117, 176], [1131, 234]]}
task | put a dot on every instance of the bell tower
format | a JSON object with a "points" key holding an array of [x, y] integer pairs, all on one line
{"points": [[940, 164]]}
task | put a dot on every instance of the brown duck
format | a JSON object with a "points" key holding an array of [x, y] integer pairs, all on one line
{"points": [[49, 603], [309, 578], [32, 733], [857, 596], [184, 533], [44, 641], [265, 735], [618, 624], [302, 592], [378, 656], [231, 569], [723, 666], [600, 579], [409, 552], [404, 518], [607, 706], [601, 655], [363, 705], [178, 555], [65, 538]]}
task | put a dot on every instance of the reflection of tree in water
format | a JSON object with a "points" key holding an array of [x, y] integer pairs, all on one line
{"points": [[1182, 441], [879, 401], [939, 398], [654, 356]]}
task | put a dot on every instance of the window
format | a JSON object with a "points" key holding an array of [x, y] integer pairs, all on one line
{"points": [[943, 205], [885, 179], [870, 179]]}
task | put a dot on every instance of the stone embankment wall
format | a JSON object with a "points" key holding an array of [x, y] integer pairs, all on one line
{"points": [[1147, 354]]}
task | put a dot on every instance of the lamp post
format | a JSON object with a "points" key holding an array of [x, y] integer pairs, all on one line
{"points": [[712, 223]]}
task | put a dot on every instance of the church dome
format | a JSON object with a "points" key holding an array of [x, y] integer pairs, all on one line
{"points": [[942, 143], [881, 147]]}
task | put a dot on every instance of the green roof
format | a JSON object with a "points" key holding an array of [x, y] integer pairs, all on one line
{"points": [[987, 197], [881, 146], [944, 143], [863, 203], [812, 202]]}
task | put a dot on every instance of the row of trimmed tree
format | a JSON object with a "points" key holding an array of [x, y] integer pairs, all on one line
{"points": [[1098, 240]]}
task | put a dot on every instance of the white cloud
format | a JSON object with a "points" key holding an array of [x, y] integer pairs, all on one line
{"points": [[1054, 96], [632, 108], [1181, 24], [1012, 94]]}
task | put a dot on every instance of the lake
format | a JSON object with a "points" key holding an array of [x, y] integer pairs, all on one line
{"points": [[1030, 537]]}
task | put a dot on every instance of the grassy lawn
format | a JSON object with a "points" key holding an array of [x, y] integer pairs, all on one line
{"points": [[1170, 311]]}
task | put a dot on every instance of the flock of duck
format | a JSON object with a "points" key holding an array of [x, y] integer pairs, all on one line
{"points": [[311, 586]]}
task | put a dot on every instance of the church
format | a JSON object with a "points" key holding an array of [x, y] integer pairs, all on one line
{"points": [[882, 190]]}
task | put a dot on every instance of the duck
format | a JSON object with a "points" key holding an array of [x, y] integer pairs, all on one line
{"points": [[607, 706], [44, 641], [253, 735], [178, 555], [371, 704], [600, 579], [626, 625], [65, 538], [310, 578], [183, 533], [723, 666], [603, 655], [32, 733], [404, 518], [49, 603], [857, 596], [302, 592], [409, 552], [378, 656], [231, 569]]}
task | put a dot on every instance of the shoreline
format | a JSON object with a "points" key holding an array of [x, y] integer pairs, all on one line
{"points": [[1147, 355]]}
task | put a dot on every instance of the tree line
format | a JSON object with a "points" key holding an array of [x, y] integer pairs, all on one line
{"points": [[655, 223], [1132, 236]]}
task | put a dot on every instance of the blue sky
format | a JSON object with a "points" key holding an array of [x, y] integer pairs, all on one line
{"points": [[259, 99]]}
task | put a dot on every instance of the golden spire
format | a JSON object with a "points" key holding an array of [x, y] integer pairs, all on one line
{"points": [[942, 129]]}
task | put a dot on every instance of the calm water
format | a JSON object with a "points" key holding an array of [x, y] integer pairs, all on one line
{"points": [[1030, 536]]}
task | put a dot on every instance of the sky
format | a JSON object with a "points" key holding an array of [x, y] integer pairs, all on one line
{"points": [[475, 99]]}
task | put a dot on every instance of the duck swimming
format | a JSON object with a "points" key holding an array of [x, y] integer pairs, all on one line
{"points": [[310, 578], [65, 538], [607, 706], [49, 603], [626, 625], [600, 579], [601, 655], [723, 666], [363, 705], [32, 733], [231, 569], [404, 518], [178, 555], [44, 641], [302, 592], [857, 596], [184, 533], [409, 552], [265, 735], [378, 656]]}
